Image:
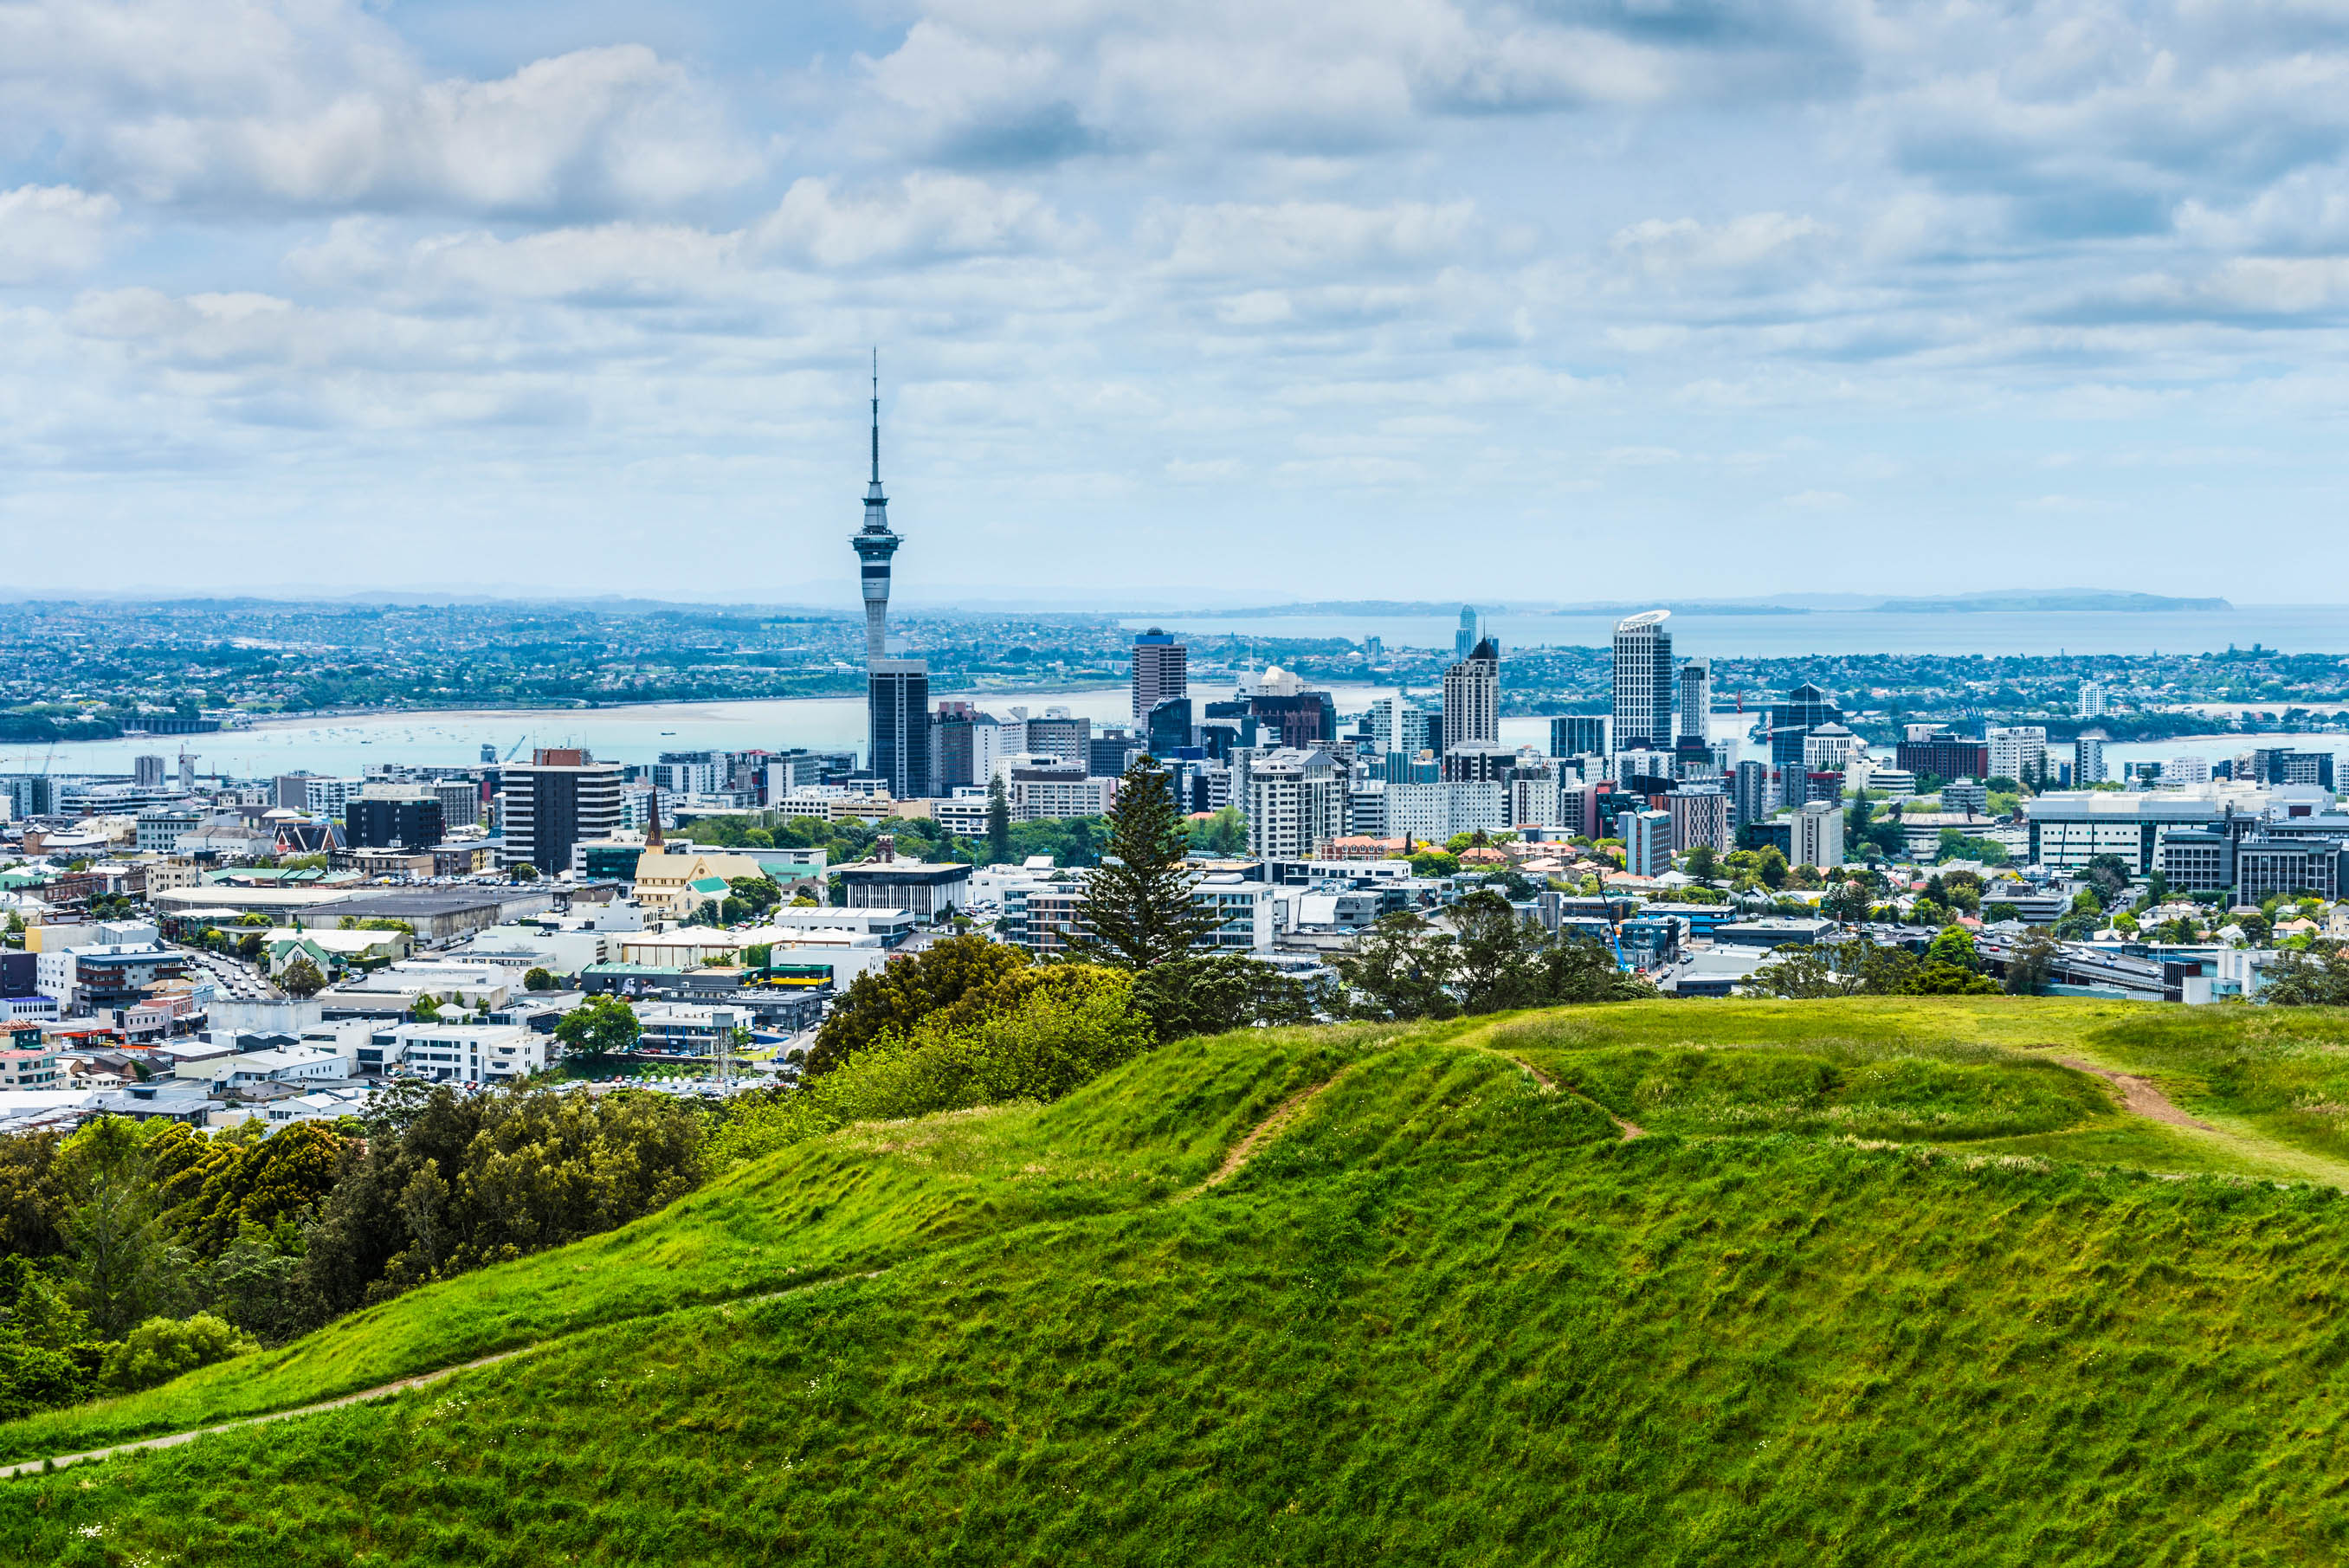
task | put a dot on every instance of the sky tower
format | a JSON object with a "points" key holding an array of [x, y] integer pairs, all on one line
{"points": [[874, 543]]}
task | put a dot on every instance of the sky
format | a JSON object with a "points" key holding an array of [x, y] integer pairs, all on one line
{"points": [[1233, 301]]}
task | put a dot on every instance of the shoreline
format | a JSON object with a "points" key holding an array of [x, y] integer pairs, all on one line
{"points": [[638, 710]]}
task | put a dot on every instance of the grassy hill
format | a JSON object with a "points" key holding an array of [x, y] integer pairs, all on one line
{"points": [[1875, 1282]]}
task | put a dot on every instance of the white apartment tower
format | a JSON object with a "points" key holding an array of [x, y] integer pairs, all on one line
{"points": [[2018, 752], [1818, 835], [1296, 803], [1643, 683]]}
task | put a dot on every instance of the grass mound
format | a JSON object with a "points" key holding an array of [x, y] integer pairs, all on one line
{"points": [[1824, 1311]]}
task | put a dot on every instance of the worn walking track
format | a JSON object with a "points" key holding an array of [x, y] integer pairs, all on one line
{"points": [[1283, 1115], [421, 1380], [2141, 1096]]}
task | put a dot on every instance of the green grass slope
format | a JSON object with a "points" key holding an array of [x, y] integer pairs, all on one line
{"points": [[1817, 1313]]}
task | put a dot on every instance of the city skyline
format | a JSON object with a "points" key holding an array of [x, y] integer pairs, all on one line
{"points": [[478, 281]]}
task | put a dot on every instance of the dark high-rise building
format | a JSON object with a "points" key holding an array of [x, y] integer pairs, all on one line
{"points": [[1170, 726], [1807, 709], [1938, 757], [1643, 683], [1472, 699], [1749, 797], [555, 800], [1105, 753], [1579, 735], [962, 747], [1161, 670], [410, 820], [899, 712], [1302, 720]]}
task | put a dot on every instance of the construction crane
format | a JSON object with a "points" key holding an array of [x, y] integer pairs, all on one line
{"points": [[517, 746]]}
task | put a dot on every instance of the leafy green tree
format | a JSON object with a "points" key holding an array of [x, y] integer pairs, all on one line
{"points": [[1225, 832], [2316, 977], [1212, 992], [1400, 969], [896, 995], [123, 1263], [522, 872], [599, 1026], [446, 1184], [2029, 963], [301, 978], [2109, 875], [999, 822], [750, 899], [1954, 945], [1703, 864], [1139, 911], [424, 1009], [538, 978], [1846, 902], [1770, 867]]}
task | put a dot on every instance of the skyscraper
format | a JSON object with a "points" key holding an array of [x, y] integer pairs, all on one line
{"points": [[1470, 632], [1472, 699], [559, 799], [1696, 699], [1161, 670], [897, 706], [1643, 683], [899, 721], [1579, 735]]}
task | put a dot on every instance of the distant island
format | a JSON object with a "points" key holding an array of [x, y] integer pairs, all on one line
{"points": [[2066, 599], [2007, 601]]}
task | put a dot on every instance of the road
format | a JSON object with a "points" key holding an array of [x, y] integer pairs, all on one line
{"points": [[237, 981]]}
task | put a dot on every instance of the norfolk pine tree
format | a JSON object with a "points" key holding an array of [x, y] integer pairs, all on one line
{"points": [[999, 822], [1138, 907]]}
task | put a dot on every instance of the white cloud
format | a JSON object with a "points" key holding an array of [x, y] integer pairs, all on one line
{"points": [[923, 217], [318, 105], [52, 231], [1314, 237], [1662, 247]]}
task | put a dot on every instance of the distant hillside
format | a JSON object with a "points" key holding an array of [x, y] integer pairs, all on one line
{"points": [[1719, 1283], [2070, 599]]}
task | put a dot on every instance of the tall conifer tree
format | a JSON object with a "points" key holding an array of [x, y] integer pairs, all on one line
{"points": [[1138, 908]]}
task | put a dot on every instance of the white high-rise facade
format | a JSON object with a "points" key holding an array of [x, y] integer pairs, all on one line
{"points": [[2018, 752], [2092, 700], [1643, 683], [1818, 835], [1296, 803]]}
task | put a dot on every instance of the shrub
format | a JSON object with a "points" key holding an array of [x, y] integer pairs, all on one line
{"points": [[160, 1348], [1054, 1028]]}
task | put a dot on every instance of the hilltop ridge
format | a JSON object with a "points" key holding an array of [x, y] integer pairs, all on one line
{"points": [[1878, 1281]]}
